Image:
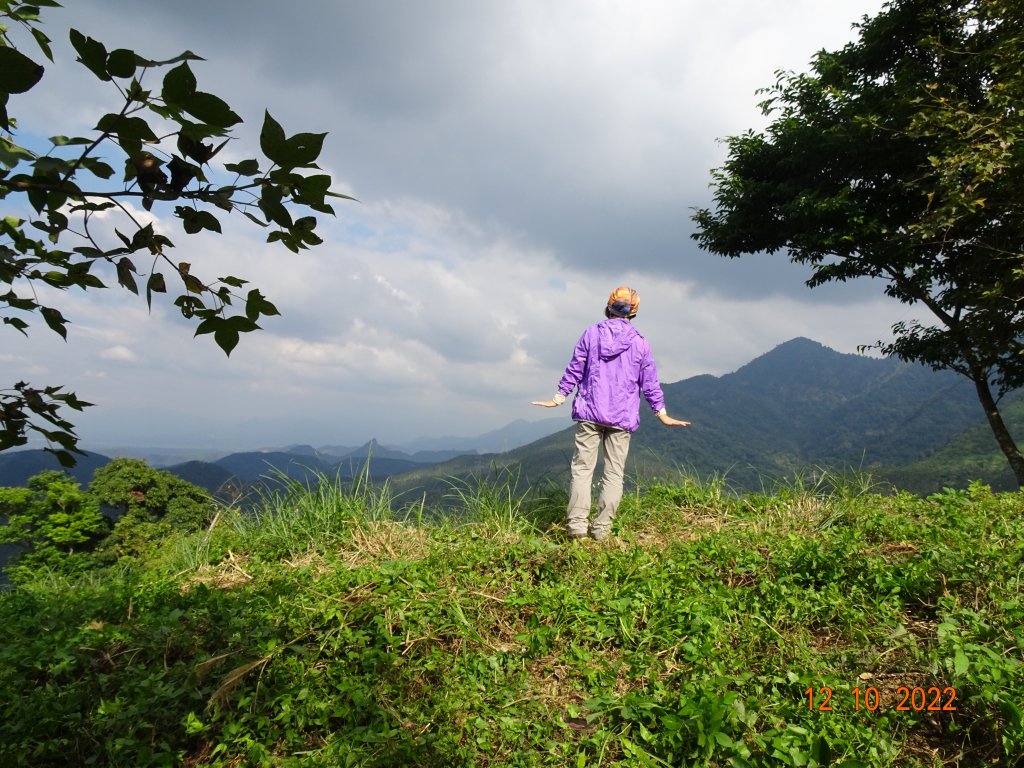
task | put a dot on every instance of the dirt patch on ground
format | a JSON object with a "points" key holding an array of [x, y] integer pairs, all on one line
{"points": [[370, 543], [658, 529], [227, 574]]}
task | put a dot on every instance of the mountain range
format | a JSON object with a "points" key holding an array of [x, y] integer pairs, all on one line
{"points": [[799, 408], [296, 461]]}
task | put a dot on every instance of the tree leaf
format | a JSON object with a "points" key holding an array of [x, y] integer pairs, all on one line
{"points": [[256, 305], [241, 324], [55, 320], [16, 323], [272, 139], [302, 149], [227, 339], [186, 56], [42, 41], [208, 221], [193, 284], [179, 85], [124, 274], [211, 110], [121, 63], [272, 207], [65, 141], [244, 168], [126, 127], [97, 167], [64, 457], [92, 53], [18, 73], [155, 284], [254, 219], [11, 154]]}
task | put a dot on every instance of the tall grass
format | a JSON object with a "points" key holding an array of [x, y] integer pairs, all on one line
{"points": [[295, 516]]}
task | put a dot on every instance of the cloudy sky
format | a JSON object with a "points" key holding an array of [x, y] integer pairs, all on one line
{"points": [[514, 162]]}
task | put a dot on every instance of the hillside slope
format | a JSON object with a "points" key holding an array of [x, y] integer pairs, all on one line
{"points": [[843, 629], [798, 407]]}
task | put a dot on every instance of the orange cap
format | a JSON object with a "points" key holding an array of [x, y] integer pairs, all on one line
{"points": [[623, 302]]}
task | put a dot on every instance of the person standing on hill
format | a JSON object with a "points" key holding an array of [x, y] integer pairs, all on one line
{"points": [[611, 366]]}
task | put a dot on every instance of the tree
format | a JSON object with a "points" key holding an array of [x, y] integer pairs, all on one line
{"points": [[148, 504], [55, 522], [901, 157], [157, 150], [128, 510]]}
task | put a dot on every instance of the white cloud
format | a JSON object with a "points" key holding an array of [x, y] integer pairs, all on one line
{"points": [[120, 353]]}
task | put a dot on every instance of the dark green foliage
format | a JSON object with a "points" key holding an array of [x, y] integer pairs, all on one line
{"points": [[128, 511], [971, 455], [898, 158], [132, 487], [148, 504]]}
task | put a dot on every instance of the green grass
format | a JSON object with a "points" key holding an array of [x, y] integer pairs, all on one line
{"points": [[328, 630]]}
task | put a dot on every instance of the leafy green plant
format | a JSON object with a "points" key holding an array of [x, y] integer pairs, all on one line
{"points": [[56, 524]]}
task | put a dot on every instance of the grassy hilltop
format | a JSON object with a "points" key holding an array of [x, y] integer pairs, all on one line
{"points": [[824, 626]]}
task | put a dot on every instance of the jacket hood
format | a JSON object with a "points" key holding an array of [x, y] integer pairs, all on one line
{"points": [[615, 337]]}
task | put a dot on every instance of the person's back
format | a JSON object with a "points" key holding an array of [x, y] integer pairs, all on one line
{"points": [[617, 367], [610, 367]]}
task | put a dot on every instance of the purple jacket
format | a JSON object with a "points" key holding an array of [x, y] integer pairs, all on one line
{"points": [[612, 365]]}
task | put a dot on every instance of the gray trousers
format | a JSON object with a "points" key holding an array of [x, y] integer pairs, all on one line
{"points": [[589, 437]]}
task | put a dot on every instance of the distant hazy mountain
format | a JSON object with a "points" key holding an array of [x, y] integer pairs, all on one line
{"points": [[804, 405], [16, 467], [301, 450], [374, 450], [266, 468], [511, 436], [157, 457], [205, 474], [333, 450], [795, 408], [253, 465]]}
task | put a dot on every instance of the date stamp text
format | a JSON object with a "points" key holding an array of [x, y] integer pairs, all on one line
{"points": [[905, 699]]}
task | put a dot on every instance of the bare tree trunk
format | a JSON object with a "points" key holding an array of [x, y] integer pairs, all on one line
{"points": [[995, 421]]}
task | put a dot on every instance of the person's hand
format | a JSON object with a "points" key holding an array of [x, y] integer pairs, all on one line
{"points": [[545, 403], [668, 421]]}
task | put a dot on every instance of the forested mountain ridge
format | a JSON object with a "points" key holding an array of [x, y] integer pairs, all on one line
{"points": [[799, 407]]}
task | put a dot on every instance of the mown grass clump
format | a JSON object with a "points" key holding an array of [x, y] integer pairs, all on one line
{"points": [[770, 629]]}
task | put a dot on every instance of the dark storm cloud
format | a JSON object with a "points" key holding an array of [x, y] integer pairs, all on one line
{"points": [[533, 116]]}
